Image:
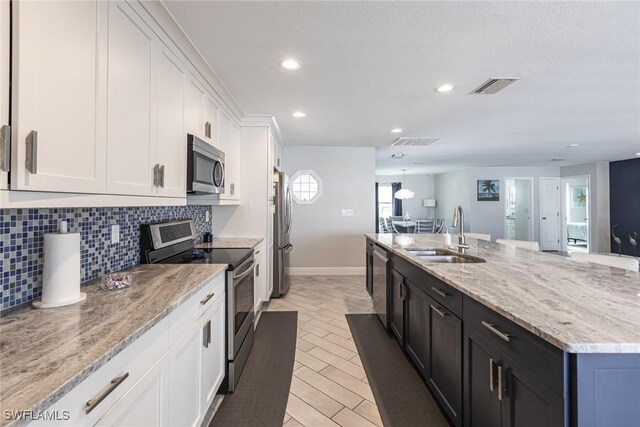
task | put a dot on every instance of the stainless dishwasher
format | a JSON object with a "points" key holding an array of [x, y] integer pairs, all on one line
{"points": [[380, 275]]}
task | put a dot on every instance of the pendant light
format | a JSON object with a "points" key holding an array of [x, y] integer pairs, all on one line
{"points": [[404, 193]]}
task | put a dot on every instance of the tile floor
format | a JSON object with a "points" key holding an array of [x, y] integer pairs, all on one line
{"points": [[329, 386]]}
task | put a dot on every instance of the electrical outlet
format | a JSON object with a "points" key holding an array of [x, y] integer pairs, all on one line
{"points": [[347, 212], [207, 217], [115, 233]]}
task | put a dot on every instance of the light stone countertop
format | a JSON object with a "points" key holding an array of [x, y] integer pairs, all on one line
{"points": [[231, 242], [45, 353], [577, 307]]}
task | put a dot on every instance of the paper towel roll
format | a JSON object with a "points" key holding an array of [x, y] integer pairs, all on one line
{"points": [[61, 275]]}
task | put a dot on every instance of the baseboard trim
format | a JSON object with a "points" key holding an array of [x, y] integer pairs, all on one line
{"points": [[326, 271]]}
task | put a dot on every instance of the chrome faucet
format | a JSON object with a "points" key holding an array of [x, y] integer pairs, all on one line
{"points": [[458, 216]]}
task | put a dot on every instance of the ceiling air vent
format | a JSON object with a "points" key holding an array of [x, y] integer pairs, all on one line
{"points": [[492, 86], [415, 140]]}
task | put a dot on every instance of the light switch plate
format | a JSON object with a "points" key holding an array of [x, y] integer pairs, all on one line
{"points": [[115, 233], [347, 212]]}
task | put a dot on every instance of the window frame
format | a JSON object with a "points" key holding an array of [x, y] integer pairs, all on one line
{"points": [[314, 175]]}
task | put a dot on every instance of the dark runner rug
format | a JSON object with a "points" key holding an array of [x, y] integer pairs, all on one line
{"points": [[260, 398], [401, 395]]}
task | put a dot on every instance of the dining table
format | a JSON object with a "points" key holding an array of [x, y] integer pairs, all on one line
{"points": [[404, 226]]}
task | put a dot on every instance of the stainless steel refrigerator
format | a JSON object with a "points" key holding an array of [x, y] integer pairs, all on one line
{"points": [[281, 230]]}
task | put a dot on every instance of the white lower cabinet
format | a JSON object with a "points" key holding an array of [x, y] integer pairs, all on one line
{"points": [[212, 354], [185, 360], [159, 379], [146, 403]]}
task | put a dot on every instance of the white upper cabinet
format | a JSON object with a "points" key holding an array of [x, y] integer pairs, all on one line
{"points": [[59, 94], [230, 142], [195, 102], [5, 141], [171, 138], [130, 141], [212, 121]]}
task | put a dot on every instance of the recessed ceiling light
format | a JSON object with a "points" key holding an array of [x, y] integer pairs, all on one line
{"points": [[298, 114], [445, 88], [558, 160], [572, 145], [637, 154], [291, 64], [396, 130]]}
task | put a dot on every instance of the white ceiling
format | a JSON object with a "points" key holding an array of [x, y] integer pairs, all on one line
{"points": [[372, 66]]}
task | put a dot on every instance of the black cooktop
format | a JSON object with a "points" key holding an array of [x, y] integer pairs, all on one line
{"points": [[232, 256]]}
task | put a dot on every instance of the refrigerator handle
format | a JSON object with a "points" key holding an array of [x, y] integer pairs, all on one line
{"points": [[288, 248], [289, 202]]}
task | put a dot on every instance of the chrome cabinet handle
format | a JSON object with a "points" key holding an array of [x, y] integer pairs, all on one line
{"points": [[232, 189], [5, 148], [257, 270], [440, 292], [500, 383], [31, 159], [439, 311], [492, 328], [207, 298], [92, 403], [162, 176], [492, 379], [156, 175], [206, 334]]}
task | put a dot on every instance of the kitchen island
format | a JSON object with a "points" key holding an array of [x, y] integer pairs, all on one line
{"points": [[521, 335]]}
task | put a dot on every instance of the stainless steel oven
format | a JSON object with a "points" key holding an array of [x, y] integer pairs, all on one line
{"points": [[205, 167], [240, 316]]}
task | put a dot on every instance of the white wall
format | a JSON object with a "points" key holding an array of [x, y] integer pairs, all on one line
{"points": [[600, 234], [459, 188], [323, 240], [424, 187]]}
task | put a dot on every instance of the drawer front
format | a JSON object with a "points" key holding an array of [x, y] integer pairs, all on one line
{"points": [[187, 313], [111, 381], [445, 294], [542, 359]]}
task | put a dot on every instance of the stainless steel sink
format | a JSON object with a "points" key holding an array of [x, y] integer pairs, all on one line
{"points": [[444, 256]]}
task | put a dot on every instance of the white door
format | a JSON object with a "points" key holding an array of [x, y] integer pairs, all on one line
{"points": [[146, 403], [58, 96], [550, 214], [5, 140], [171, 138], [130, 140], [195, 101], [213, 355], [184, 381]]}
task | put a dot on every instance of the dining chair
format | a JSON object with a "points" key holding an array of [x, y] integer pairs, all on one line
{"points": [[626, 263], [383, 225], [524, 244], [425, 226], [438, 226], [479, 236]]}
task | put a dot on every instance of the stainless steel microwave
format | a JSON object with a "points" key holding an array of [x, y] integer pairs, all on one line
{"points": [[205, 167]]}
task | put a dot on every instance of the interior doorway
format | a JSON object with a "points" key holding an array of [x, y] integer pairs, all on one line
{"points": [[518, 221], [575, 213]]}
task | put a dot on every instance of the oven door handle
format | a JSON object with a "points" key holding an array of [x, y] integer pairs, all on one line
{"points": [[245, 273]]}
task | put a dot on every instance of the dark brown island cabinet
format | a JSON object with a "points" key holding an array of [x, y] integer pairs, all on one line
{"points": [[484, 370]]}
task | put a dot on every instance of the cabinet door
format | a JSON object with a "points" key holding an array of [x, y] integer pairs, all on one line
{"points": [[146, 402], [195, 101], [396, 305], [5, 141], [417, 327], [184, 380], [212, 121], [232, 158], [130, 142], [171, 139], [480, 373], [213, 355], [369, 272], [527, 401], [59, 94], [444, 368], [261, 291]]}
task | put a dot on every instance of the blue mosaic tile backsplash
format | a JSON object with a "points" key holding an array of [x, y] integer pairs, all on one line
{"points": [[22, 232]]}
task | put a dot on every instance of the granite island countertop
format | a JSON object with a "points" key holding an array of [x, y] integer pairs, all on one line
{"points": [[45, 353], [577, 307], [231, 242]]}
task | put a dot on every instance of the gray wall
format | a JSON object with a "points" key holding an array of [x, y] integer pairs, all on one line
{"points": [[424, 187], [321, 237], [599, 208], [459, 188]]}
